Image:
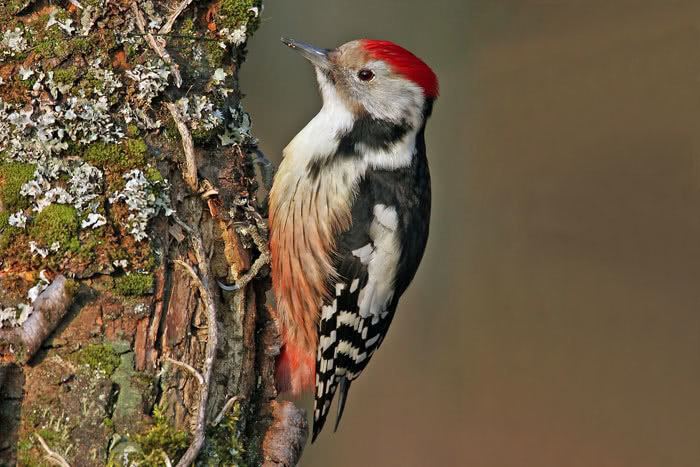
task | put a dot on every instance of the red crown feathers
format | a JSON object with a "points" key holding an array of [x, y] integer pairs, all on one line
{"points": [[405, 63]]}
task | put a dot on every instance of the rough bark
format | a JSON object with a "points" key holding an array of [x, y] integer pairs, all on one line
{"points": [[109, 354]]}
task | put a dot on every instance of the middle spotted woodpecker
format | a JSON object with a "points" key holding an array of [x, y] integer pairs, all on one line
{"points": [[349, 215]]}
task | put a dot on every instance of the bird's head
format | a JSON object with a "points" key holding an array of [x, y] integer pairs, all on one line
{"points": [[375, 77]]}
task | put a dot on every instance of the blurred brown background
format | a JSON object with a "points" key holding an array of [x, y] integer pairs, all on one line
{"points": [[555, 320]]}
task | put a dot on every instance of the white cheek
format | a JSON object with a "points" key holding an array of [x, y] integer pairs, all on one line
{"points": [[388, 96], [395, 100]]}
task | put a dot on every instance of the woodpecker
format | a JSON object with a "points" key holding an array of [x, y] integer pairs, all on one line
{"points": [[349, 215]]}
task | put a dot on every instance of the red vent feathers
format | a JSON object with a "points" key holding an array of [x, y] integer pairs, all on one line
{"points": [[404, 62]]}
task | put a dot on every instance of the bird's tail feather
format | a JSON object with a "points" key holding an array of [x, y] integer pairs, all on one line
{"points": [[344, 388]]}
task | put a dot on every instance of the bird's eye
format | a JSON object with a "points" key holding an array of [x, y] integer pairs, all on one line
{"points": [[365, 74]]}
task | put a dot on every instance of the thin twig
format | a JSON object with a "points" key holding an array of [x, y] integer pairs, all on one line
{"points": [[184, 365], [182, 224], [258, 239], [52, 456], [205, 289], [155, 45], [252, 273], [254, 270], [192, 37], [166, 459], [190, 172], [227, 406], [168, 26]]}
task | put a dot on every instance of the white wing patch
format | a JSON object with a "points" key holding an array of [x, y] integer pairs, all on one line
{"points": [[381, 258]]}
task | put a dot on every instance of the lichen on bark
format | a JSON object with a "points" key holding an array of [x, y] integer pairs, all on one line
{"points": [[92, 122]]}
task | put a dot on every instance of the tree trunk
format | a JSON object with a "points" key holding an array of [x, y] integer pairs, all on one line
{"points": [[128, 193]]}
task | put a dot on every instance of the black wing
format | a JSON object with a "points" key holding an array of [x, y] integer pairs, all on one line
{"points": [[347, 339]]}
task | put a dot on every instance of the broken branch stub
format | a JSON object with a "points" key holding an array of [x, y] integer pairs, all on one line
{"points": [[19, 344]]}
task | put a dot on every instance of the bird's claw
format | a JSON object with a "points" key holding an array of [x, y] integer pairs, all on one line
{"points": [[227, 287]]}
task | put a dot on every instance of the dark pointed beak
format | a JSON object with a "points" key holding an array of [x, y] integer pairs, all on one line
{"points": [[316, 55]]}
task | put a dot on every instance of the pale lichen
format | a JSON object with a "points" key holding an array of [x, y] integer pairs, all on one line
{"points": [[18, 220], [151, 79], [199, 113], [13, 316], [238, 130], [66, 25], [93, 221], [145, 200], [13, 42], [48, 187]]}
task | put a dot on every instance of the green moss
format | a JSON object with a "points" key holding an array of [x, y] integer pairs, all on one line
{"points": [[54, 43], [224, 445], [14, 6], [27, 83], [132, 52], [82, 44], [136, 148], [66, 75], [24, 445], [48, 41], [75, 246], [44, 47], [102, 154], [12, 176], [6, 230], [99, 357], [134, 284], [51, 437], [56, 223], [72, 287], [129, 154], [237, 12], [90, 242], [187, 27], [161, 437], [215, 54], [27, 455], [153, 175], [203, 136], [56, 440], [24, 455]]}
